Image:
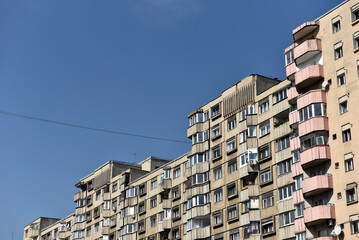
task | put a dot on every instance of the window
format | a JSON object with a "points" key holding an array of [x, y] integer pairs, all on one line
{"points": [[346, 133], [175, 233], [130, 192], [336, 24], [243, 159], [153, 202], [343, 104], [355, 13], [153, 184], [217, 218], [231, 123], [153, 221], [338, 50], [341, 77], [312, 110], [243, 137], [216, 111], [217, 173], [351, 193], [142, 189], [283, 143], [280, 95], [199, 137], [141, 207], [216, 152], [141, 226], [286, 218], [166, 174], [216, 131], [232, 212], [263, 106], [301, 236], [266, 176], [88, 231], [97, 227], [231, 189], [295, 156], [200, 178], [285, 192], [263, 152], [98, 195], [177, 172], [252, 131], [232, 166], [234, 236], [298, 182], [348, 161], [313, 139], [284, 167], [267, 225], [176, 193], [356, 41], [250, 110], [299, 208], [114, 187], [289, 57], [106, 205], [175, 212], [267, 200], [231, 144], [243, 114], [198, 117], [198, 158], [252, 228], [218, 195], [264, 128]]}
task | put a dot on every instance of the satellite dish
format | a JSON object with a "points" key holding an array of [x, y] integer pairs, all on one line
{"points": [[337, 230]]}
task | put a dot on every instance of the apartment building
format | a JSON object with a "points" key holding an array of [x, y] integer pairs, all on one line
{"points": [[269, 159]]}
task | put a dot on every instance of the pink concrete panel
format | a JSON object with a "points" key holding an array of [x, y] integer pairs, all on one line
{"points": [[306, 24], [307, 46], [298, 196], [290, 69], [297, 169], [313, 124], [319, 212], [325, 238], [294, 143], [314, 96], [299, 225], [317, 182], [318, 152], [293, 117], [292, 93], [309, 72], [289, 48]]}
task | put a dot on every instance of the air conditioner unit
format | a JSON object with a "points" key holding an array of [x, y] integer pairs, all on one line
{"points": [[252, 161], [330, 222]]}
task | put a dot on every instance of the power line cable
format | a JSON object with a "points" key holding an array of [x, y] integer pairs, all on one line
{"points": [[88, 128]]}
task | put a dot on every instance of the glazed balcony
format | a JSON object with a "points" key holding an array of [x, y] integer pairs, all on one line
{"points": [[196, 190], [317, 184], [250, 216], [307, 50], [313, 96], [312, 125], [197, 127], [198, 233], [198, 211], [318, 214], [309, 75], [314, 156], [305, 29], [293, 119], [197, 168], [292, 94], [164, 225], [249, 191]]}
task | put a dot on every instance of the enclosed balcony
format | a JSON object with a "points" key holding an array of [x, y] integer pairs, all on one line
{"points": [[313, 125], [201, 167], [317, 184], [309, 75], [249, 191], [307, 50], [293, 119], [318, 214], [292, 94], [198, 233], [304, 30], [164, 225], [314, 156], [313, 96], [197, 127], [33, 233]]}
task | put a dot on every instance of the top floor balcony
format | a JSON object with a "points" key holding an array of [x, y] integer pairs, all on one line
{"points": [[304, 30]]}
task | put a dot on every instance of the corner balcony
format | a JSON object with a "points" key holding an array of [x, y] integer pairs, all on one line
{"points": [[292, 94], [293, 119], [318, 214], [197, 127], [312, 125], [314, 156], [317, 184], [307, 50], [309, 75], [197, 168], [78, 196], [313, 96], [305, 29]]}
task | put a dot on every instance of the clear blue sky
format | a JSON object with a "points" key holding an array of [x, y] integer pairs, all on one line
{"points": [[134, 66]]}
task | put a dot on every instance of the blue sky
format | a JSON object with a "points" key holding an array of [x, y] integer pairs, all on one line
{"points": [[132, 66]]}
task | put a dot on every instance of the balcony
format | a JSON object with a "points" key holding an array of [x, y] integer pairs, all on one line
{"points": [[325, 238], [165, 184], [318, 214], [286, 232], [197, 127], [197, 168], [164, 225], [250, 216], [305, 29], [33, 233], [196, 190], [298, 196], [198, 211], [105, 230], [313, 96], [78, 196], [106, 213], [312, 125], [307, 50], [165, 204], [290, 70], [293, 119], [249, 191], [198, 233], [247, 169], [294, 143], [297, 169], [292, 94], [299, 225], [279, 107], [309, 75], [317, 184], [314, 156], [281, 130]]}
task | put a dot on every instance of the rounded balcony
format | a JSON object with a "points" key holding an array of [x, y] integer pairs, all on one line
{"points": [[318, 214], [314, 156], [305, 29], [313, 96], [313, 125], [307, 50], [309, 75], [317, 184]]}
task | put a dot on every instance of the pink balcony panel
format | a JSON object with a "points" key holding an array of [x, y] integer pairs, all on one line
{"points": [[298, 196], [309, 75], [307, 50], [304, 29], [290, 69], [314, 96], [317, 184], [299, 225], [316, 214], [313, 124], [297, 169], [325, 238], [314, 155], [292, 93], [293, 117], [294, 143]]}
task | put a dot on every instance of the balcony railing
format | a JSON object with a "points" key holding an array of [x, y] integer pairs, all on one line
{"points": [[314, 96], [313, 125], [307, 50], [317, 184], [315, 155], [316, 215], [309, 75], [304, 29]]}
